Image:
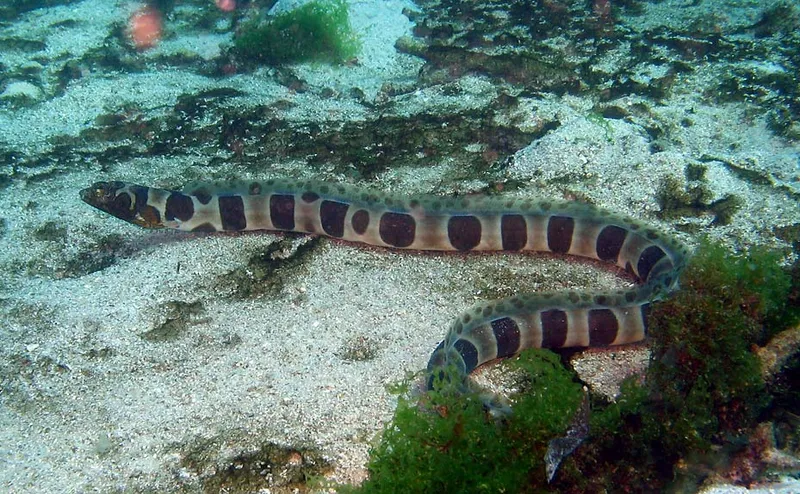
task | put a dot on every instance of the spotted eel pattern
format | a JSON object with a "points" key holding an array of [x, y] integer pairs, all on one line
{"points": [[488, 331]]}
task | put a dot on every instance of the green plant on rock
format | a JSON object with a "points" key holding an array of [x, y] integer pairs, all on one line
{"points": [[704, 390], [316, 31], [451, 444], [703, 338], [702, 398], [677, 200]]}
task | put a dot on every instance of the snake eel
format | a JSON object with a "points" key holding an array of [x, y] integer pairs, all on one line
{"points": [[488, 331]]}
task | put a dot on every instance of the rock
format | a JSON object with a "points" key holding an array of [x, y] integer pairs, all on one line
{"points": [[21, 93]]}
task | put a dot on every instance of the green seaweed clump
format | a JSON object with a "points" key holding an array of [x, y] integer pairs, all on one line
{"points": [[451, 444], [316, 31], [695, 414], [677, 200], [704, 393], [703, 359]]}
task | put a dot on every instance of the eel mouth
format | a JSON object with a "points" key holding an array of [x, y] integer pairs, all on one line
{"points": [[123, 201], [105, 196]]}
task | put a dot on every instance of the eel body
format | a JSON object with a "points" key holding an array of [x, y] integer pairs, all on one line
{"points": [[487, 331]]}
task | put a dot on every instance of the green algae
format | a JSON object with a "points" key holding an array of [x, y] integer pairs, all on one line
{"points": [[270, 268], [359, 349], [259, 467], [173, 320], [782, 18], [67, 255], [50, 231], [702, 397], [695, 199], [451, 444], [704, 391], [316, 31]]}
